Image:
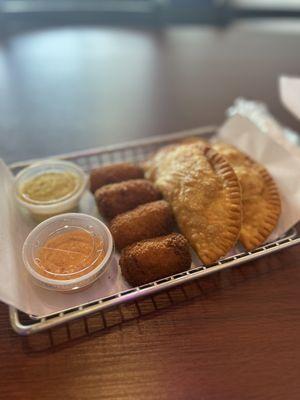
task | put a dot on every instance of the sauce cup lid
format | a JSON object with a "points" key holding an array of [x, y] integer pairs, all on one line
{"points": [[67, 249]]}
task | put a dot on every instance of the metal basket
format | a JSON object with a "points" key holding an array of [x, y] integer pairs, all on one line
{"points": [[136, 151]]}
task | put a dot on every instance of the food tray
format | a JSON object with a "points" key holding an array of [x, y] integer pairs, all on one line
{"points": [[137, 151]]}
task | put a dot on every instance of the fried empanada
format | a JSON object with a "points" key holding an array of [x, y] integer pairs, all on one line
{"points": [[204, 193], [260, 196]]}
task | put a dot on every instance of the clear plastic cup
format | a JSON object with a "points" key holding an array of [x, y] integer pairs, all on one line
{"points": [[81, 275], [42, 210]]}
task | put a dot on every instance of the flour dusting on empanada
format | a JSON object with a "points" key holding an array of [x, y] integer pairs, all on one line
{"points": [[204, 193]]}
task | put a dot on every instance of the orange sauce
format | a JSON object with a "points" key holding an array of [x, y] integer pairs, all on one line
{"points": [[69, 255]]}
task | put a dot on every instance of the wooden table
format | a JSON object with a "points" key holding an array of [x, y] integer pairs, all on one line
{"points": [[232, 336]]}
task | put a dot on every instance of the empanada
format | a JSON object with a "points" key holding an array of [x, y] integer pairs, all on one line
{"points": [[204, 193], [260, 197]]}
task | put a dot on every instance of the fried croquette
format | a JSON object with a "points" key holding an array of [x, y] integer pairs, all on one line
{"points": [[144, 222], [114, 173], [118, 198], [153, 259]]}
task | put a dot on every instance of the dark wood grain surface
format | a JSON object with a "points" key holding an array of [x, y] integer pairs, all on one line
{"points": [[232, 336]]}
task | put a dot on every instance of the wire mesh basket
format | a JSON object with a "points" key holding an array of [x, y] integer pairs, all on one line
{"points": [[135, 152]]}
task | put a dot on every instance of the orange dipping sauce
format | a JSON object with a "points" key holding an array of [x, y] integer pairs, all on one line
{"points": [[70, 254]]}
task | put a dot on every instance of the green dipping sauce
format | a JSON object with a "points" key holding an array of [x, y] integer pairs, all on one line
{"points": [[49, 187]]}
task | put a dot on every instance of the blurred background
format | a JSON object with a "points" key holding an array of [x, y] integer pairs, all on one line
{"points": [[76, 74]]}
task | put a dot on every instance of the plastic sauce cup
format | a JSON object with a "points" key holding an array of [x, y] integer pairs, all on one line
{"points": [[42, 210], [59, 225]]}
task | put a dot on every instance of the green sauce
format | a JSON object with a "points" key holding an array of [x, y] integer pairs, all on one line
{"points": [[49, 187]]}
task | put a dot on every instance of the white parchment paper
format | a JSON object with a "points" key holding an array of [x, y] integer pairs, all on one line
{"points": [[16, 287], [289, 90]]}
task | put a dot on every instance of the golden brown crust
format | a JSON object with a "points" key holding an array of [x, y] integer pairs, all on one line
{"points": [[114, 173], [204, 193], [153, 259], [260, 196], [118, 198], [194, 139], [150, 166], [144, 222]]}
